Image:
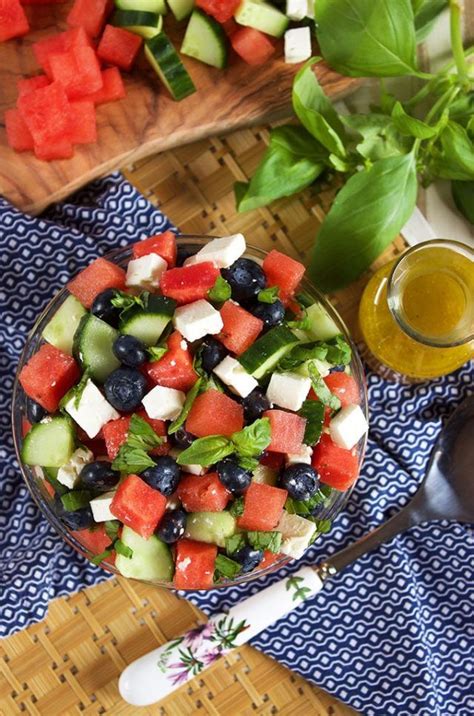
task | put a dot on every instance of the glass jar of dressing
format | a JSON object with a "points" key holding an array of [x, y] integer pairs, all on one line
{"points": [[417, 312]]}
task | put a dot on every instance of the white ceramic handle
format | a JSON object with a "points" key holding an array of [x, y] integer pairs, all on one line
{"points": [[158, 673]]}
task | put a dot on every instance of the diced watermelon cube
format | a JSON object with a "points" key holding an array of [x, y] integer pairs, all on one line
{"points": [[48, 375], [116, 431], [90, 14], [241, 328], [94, 279], [175, 368], [95, 541], [61, 42], [54, 149], [203, 493], [78, 71], [189, 283], [336, 466], [273, 460], [18, 135], [42, 2], [119, 47], [13, 21], [194, 564], [46, 113], [138, 505], [283, 271], [253, 46], [82, 122], [28, 84], [220, 10], [162, 244], [287, 431], [263, 507], [269, 559], [112, 87], [25, 426], [344, 387], [214, 413]]}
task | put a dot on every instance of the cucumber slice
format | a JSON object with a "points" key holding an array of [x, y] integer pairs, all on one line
{"points": [[181, 8], [49, 444], [145, 24], [210, 527], [205, 40], [264, 475], [322, 326], [265, 353], [61, 328], [262, 16], [151, 558], [164, 59], [147, 324], [92, 347], [156, 6]]}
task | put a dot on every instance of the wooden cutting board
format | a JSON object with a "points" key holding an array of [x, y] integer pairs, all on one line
{"points": [[147, 120]]}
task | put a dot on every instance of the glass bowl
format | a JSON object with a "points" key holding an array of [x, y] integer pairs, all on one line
{"points": [[33, 475]]}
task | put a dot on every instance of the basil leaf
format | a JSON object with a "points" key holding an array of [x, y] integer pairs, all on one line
{"points": [[339, 351], [366, 216], [225, 567], [221, 291], [301, 353], [268, 295], [455, 158], [426, 14], [292, 162], [234, 543], [248, 463], [206, 451], [76, 500], [132, 460], [98, 558], [321, 389], [156, 352], [363, 38], [323, 526], [315, 111], [237, 507], [265, 540], [112, 529], [305, 507], [123, 549], [126, 301], [410, 126], [380, 138], [75, 393], [463, 195], [313, 412], [190, 398], [141, 435], [461, 110], [253, 439]]}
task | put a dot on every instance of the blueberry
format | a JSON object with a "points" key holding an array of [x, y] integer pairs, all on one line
{"points": [[182, 439], [338, 369], [301, 481], [125, 389], [130, 351], [246, 279], [164, 476], [172, 526], [270, 313], [99, 476], [102, 307], [34, 411], [232, 476], [184, 252], [255, 405], [77, 520], [212, 353], [248, 557]]}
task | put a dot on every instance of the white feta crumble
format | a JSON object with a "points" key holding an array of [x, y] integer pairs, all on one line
{"points": [[92, 411], [233, 374], [297, 45], [68, 474], [183, 564], [146, 271], [197, 319], [348, 426], [304, 456], [296, 9], [296, 534], [222, 252], [288, 390], [100, 507], [163, 403]]}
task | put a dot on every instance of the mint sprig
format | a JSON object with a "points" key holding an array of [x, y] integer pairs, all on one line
{"points": [[270, 541], [268, 295], [126, 301], [133, 454], [221, 291]]}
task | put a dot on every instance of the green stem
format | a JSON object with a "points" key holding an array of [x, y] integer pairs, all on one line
{"points": [[442, 102], [456, 40]]}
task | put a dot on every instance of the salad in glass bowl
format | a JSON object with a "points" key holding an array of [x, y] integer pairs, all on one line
{"points": [[190, 411]]}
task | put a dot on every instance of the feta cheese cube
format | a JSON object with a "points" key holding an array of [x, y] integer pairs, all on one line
{"points": [[146, 271], [68, 474], [348, 426], [191, 469], [304, 456], [93, 410], [163, 403], [297, 45], [222, 252], [288, 390], [235, 376], [197, 319], [100, 507], [310, 9], [296, 534], [296, 9]]}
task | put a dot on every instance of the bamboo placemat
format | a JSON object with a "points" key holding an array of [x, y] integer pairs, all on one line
{"points": [[70, 663]]}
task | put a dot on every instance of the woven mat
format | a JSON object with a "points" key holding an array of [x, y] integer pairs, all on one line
{"points": [[69, 664]]}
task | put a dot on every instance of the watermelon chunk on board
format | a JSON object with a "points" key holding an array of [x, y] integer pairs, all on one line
{"points": [[214, 413], [90, 15], [119, 47], [45, 112], [194, 564], [112, 87], [54, 149], [77, 70], [48, 376], [28, 84], [82, 122], [94, 279], [253, 46], [60, 42], [18, 135], [13, 21]]}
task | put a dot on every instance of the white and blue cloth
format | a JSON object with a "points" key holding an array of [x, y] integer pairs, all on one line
{"points": [[393, 634]]}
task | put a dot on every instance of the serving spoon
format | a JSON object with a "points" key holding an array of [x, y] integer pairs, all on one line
{"points": [[446, 493]]}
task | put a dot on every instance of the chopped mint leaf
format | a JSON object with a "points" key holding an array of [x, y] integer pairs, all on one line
{"points": [[303, 323], [76, 500], [221, 291], [132, 456], [122, 549], [188, 403], [265, 540], [237, 507], [156, 352], [98, 558], [75, 393], [338, 351], [302, 353], [326, 490], [132, 460], [321, 389], [126, 301], [141, 434], [305, 507], [313, 412], [253, 439], [234, 543], [268, 295], [323, 526], [197, 364], [206, 451], [112, 529], [226, 568]]}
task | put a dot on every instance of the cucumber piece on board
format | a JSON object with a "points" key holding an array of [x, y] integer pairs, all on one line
{"points": [[181, 8], [156, 6], [262, 16], [145, 24], [205, 40], [167, 64]]}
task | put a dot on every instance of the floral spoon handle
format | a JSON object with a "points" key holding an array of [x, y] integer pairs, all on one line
{"points": [[158, 673]]}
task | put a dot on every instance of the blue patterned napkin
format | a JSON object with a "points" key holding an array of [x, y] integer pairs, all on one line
{"points": [[393, 634]]}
